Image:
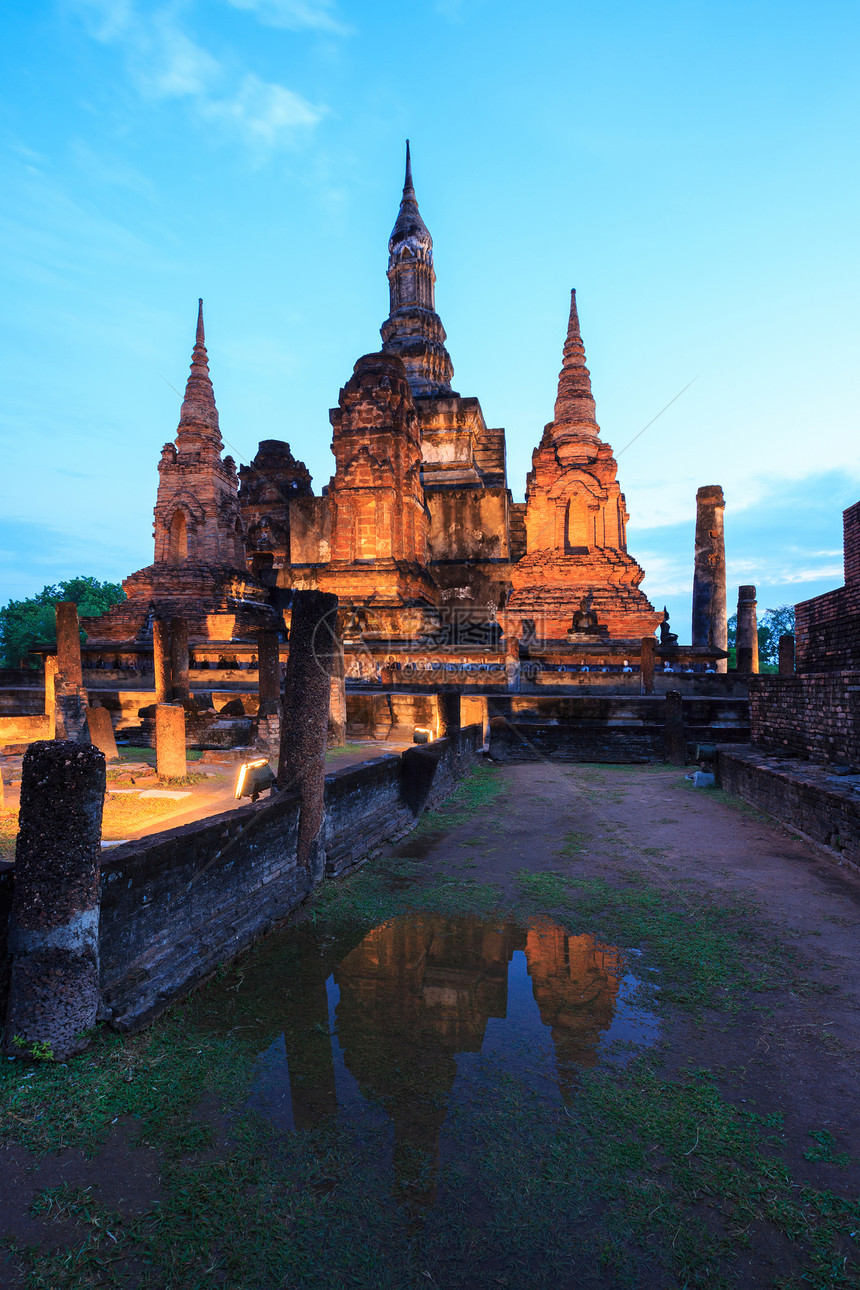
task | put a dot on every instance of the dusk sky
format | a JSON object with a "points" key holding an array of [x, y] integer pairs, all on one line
{"points": [[691, 168]]}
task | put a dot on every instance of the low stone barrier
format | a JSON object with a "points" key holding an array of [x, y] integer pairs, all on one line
{"points": [[177, 904], [24, 729], [808, 798]]}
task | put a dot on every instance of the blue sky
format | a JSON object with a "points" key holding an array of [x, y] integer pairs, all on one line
{"points": [[690, 167]]}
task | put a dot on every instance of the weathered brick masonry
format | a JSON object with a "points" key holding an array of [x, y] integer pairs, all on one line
{"points": [[828, 626], [814, 716], [811, 720], [805, 797]]}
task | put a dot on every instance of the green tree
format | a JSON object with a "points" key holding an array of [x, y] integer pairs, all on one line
{"points": [[27, 624]]}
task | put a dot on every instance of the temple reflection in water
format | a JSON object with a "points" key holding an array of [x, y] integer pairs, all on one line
{"points": [[417, 992]]}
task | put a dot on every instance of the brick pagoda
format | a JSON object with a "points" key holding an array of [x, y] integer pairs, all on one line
{"points": [[199, 573]]}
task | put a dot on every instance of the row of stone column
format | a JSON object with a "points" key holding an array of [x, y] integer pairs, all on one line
{"points": [[709, 592]]}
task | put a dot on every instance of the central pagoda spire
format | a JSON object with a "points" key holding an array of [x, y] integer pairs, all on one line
{"points": [[413, 330], [198, 420], [574, 429]]}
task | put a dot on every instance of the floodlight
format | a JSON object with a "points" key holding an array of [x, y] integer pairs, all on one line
{"points": [[421, 735], [254, 778]]}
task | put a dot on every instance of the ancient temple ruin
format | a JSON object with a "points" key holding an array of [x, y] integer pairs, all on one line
{"points": [[417, 531], [441, 576]]}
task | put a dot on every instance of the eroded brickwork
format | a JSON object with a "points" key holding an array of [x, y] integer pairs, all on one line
{"points": [[816, 715]]}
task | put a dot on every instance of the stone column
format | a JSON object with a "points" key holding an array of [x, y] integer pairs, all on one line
{"points": [[51, 693], [179, 661], [646, 664], [747, 635], [304, 723], [70, 721], [161, 661], [69, 646], [674, 737], [54, 921], [786, 654], [337, 701], [449, 712], [71, 709], [709, 573], [101, 732], [269, 673], [170, 741]]}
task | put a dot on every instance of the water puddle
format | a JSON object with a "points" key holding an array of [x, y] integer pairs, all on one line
{"points": [[395, 1030]]}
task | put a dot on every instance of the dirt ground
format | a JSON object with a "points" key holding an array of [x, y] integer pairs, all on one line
{"points": [[797, 1056]]}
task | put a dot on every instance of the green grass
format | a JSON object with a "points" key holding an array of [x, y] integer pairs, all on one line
{"points": [[574, 845], [684, 1181], [333, 753]]}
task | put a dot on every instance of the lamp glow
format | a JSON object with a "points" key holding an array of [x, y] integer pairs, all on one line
{"points": [[254, 778]]}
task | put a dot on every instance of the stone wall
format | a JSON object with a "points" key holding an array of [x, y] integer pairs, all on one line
{"points": [[178, 903], [823, 807], [606, 729], [815, 716]]}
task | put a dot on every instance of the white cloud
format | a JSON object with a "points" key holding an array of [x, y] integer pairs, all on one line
{"points": [[318, 15], [265, 115], [164, 62]]}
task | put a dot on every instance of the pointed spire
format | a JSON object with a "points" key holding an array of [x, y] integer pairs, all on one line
{"points": [[199, 412], [575, 413], [409, 226], [407, 182]]}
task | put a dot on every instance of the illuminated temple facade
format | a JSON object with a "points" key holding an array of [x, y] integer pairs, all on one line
{"points": [[417, 532]]}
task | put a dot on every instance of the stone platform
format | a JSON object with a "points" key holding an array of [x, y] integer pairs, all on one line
{"points": [[822, 807]]}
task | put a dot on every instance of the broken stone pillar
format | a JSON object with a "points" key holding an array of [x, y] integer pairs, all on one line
{"points": [[747, 635], [674, 737], [71, 702], [449, 712], [475, 711], [54, 921], [101, 732], [786, 654], [269, 673], [170, 760], [304, 721], [179, 661], [382, 717], [161, 661], [70, 721], [337, 703], [709, 572], [69, 646], [51, 693], [646, 664]]}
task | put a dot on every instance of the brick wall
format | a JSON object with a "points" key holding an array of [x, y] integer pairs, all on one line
{"points": [[828, 631], [851, 544], [814, 716], [828, 626]]}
